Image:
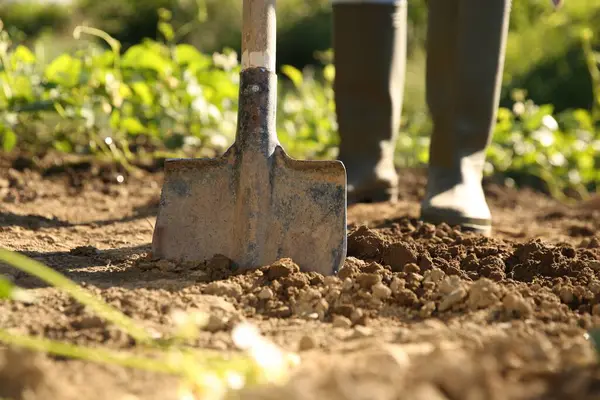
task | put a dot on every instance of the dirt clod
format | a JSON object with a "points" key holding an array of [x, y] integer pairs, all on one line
{"points": [[452, 298], [515, 305], [85, 251], [427, 309], [366, 281], [220, 267], [282, 268], [352, 267], [380, 291], [365, 243], [398, 255], [482, 294]]}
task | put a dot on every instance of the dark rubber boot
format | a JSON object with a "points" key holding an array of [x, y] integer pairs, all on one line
{"points": [[370, 56], [465, 58]]}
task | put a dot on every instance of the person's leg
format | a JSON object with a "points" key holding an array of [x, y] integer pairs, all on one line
{"points": [[369, 42], [464, 72]]}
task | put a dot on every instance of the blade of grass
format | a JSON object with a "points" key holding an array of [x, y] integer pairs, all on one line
{"points": [[59, 281], [188, 366], [97, 355]]}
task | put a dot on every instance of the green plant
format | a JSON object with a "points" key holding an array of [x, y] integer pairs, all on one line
{"points": [[154, 95], [164, 98], [153, 99], [561, 149]]}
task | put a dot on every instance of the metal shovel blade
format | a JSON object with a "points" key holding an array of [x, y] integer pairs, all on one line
{"points": [[254, 204]]}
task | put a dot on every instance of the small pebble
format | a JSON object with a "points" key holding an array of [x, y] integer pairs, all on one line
{"points": [[366, 281], [265, 294], [361, 331], [380, 291], [453, 298], [397, 285], [307, 343], [339, 321], [427, 309]]}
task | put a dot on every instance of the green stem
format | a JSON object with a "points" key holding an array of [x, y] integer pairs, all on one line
{"points": [[112, 151], [96, 355], [114, 44], [187, 365], [57, 280]]}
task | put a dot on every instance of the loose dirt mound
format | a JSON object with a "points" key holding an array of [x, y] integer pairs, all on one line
{"points": [[417, 311]]}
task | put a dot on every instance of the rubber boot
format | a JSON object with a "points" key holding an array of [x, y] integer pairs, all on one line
{"points": [[369, 41], [465, 58]]}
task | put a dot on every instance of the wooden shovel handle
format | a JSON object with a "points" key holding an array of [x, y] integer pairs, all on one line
{"points": [[259, 31]]}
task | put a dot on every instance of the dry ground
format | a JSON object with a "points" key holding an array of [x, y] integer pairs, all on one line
{"points": [[417, 312]]}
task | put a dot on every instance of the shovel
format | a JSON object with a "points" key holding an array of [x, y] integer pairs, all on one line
{"points": [[254, 204]]}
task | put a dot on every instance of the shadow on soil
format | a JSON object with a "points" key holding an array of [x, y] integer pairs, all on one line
{"points": [[101, 268], [35, 222], [30, 221], [584, 383]]}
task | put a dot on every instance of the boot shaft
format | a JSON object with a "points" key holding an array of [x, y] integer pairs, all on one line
{"points": [[369, 41], [466, 43]]}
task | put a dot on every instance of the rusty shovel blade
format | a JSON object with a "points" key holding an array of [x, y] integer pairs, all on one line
{"points": [[254, 204]]}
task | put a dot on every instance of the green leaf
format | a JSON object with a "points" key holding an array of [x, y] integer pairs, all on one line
{"points": [[585, 161], [584, 119], [329, 73], [125, 91], [142, 90], [167, 30], [140, 57], [534, 121], [187, 54], [115, 119], [104, 59], [294, 74], [9, 138], [164, 14], [22, 55], [22, 87], [64, 70], [132, 126], [63, 146]]}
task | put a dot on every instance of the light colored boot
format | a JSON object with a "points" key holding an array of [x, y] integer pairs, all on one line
{"points": [[369, 41], [465, 57]]}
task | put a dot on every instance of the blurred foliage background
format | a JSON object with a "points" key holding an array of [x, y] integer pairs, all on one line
{"points": [[551, 74], [543, 55]]}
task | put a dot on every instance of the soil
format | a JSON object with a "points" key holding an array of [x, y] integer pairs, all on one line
{"points": [[417, 312]]}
